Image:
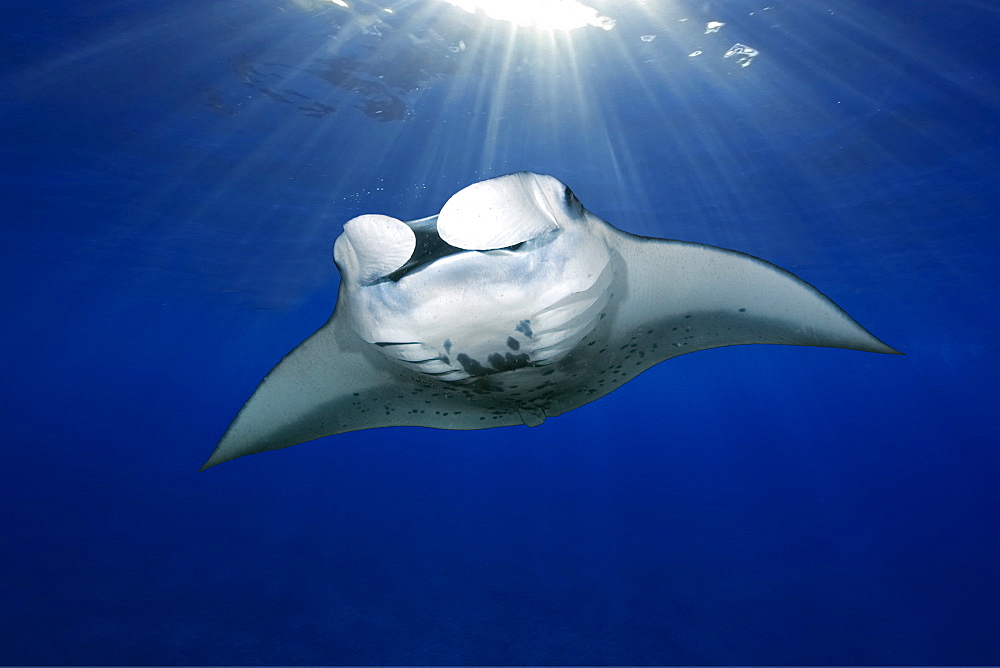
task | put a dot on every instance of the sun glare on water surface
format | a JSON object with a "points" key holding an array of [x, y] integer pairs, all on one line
{"points": [[552, 14]]}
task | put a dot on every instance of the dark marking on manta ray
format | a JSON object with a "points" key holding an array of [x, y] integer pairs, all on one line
{"points": [[471, 366], [512, 343], [508, 361], [525, 328]]}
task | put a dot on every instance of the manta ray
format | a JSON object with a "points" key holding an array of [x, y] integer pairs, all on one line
{"points": [[512, 305]]}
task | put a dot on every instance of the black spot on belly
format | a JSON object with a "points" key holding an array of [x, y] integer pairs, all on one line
{"points": [[508, 361], [498, 362], [524, 327], [471, 366], [512, 343]]}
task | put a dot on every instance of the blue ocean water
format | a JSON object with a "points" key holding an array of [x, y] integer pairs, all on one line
{"points": [[174, 175]]}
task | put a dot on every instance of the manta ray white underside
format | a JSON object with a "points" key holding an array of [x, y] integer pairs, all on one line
{"points": [[511, 305]]}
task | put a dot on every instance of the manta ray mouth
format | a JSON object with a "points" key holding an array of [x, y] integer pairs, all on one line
{"points": [[429, 249]]}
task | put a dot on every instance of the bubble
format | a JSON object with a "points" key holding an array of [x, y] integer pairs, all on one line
{"points": [[744, 54]]}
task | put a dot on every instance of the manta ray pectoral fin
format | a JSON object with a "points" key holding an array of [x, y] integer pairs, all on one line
{"points": [[333, 383], [698, 297], [293, 402]]}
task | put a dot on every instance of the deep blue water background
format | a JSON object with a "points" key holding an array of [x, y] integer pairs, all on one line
{"points": [[168, 210]]}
